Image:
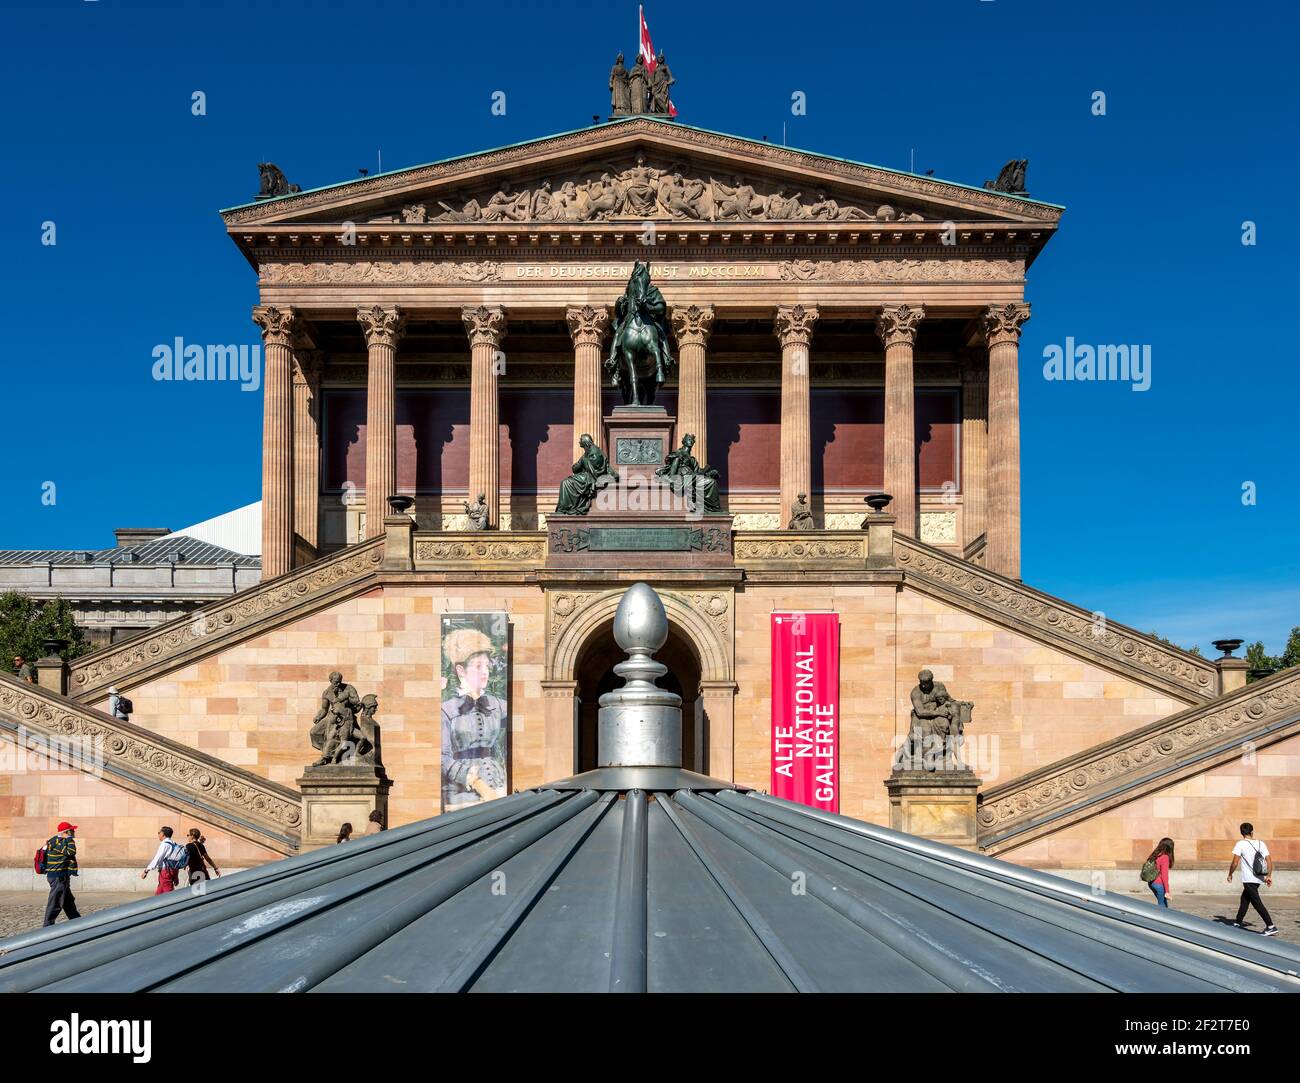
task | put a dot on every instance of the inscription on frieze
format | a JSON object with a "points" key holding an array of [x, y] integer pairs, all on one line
{"points": [[639, 452]]}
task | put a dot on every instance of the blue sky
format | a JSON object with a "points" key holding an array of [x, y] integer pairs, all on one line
{"points": [[1132, 500]]}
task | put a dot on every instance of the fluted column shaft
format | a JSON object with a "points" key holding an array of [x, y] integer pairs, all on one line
{"points": [[306, 445], [383, 327], [587, 327], [974, 448], [897, 326], [486, 327], [692, 325], [794, 327], [1002, 334], [277, 326]]}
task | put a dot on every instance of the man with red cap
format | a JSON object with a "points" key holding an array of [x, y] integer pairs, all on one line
{"points": [[60, 867]]}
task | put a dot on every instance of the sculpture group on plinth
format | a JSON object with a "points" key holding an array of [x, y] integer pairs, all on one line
{"points": [[344, 730], [348, 782], [936, 732]]}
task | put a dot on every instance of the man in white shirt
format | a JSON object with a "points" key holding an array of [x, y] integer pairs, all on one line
{"points": [[164, 861], [1243, 856]]}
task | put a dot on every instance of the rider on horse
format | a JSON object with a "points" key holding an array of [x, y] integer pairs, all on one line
{"points": [[640, 352]]}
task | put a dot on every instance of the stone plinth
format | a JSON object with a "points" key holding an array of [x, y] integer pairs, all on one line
{"points": [[336, 794], [936, 805], [636, 539], [637, 438]]}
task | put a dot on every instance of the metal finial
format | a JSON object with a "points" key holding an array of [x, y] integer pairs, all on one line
{"points": [[640, 724]]}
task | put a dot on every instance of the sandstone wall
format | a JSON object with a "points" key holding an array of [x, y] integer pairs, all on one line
{"points": [[1201, 814]]}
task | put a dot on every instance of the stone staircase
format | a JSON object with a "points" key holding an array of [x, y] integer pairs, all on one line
{"points": [[227, 621], [153, 767], [1075, 631], [1135, 764]]}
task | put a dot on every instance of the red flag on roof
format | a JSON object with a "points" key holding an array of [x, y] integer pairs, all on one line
{"points": [[648, 53]]}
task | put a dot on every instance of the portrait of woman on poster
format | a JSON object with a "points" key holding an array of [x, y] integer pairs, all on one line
{"points": [[474, 721]]}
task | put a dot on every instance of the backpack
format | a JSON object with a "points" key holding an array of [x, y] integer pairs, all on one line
{"points": [[40, 860], [177, 856], [1149, 872], [1259, 866]]}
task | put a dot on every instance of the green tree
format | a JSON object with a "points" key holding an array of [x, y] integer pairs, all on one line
{"points": [[25, 624], [1291, 652]]}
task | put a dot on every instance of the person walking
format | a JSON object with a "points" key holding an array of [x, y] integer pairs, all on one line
{"points": [[197, 860], [376, 823], [1256, 865], [60, 865], [169, 859], [22, 670], [345, 833], [1159, 864]]}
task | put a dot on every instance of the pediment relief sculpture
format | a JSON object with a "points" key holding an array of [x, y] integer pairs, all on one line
{"points": [[641, 192]]}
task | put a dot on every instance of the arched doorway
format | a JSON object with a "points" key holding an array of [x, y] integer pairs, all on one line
{"points": [[595, 674]]}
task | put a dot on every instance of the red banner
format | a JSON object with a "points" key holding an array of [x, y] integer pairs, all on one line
{"points": [[806, 708]]}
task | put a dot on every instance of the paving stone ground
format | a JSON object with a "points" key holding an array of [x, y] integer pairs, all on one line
{"points": [[23, 910]]}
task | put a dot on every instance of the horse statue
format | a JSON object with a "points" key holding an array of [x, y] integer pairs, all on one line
{"points": [[640, 353]]}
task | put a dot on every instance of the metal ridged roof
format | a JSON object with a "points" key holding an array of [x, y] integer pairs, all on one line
{"points": [[192, 552], [560, 890]]}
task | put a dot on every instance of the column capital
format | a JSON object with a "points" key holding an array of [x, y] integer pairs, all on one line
{"points": [[692, 324], [382, 326], [484, 325], [1001, 323], [278, 324], [587, 324], [897, 324], [794, 324]]}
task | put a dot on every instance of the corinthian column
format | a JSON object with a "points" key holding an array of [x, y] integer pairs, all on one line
{"points": [[485, 327], [974, 448], [896, 325], [382, 327], [306, 444], [587, 327], [1002, 334], [794, 328], [692, 325], [277, 326]]}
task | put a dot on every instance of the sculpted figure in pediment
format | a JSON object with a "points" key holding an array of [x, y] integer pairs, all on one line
{"points": [[783, 208], [828, 210], [736, 203], [640, 195], [605, 197]]}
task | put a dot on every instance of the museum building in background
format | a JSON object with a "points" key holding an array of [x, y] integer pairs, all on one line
{"points": [[439, 333]]}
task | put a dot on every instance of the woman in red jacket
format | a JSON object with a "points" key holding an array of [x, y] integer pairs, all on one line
{"points": [[1163, 856]]}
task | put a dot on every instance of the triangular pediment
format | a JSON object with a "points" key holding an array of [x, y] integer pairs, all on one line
{"points": [[642, 170]]}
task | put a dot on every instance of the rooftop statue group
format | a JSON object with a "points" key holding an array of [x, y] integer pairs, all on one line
{"points": [[344, 730], [640, 90]]}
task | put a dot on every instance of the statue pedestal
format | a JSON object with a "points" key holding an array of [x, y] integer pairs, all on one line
{"points": [[937, 805], [637, 438], [632, 538], [336, 794]]}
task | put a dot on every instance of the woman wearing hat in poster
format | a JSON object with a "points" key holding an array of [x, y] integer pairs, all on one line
{"points": [[473, 724]]}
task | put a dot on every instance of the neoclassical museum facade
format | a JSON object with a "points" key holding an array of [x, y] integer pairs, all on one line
{"points": [[840, 329]]}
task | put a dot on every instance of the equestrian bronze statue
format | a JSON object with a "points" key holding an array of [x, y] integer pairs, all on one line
{"points": [[640, 353]]}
